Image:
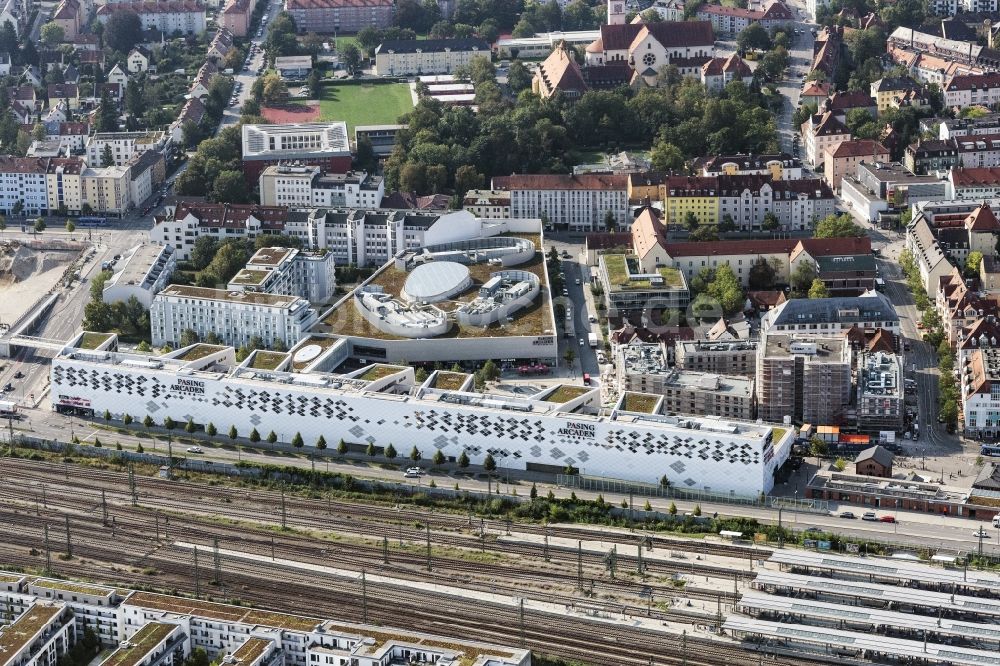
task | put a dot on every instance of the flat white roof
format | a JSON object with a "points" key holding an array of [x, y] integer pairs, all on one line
{"points": [[872, 591], [886, 568]]}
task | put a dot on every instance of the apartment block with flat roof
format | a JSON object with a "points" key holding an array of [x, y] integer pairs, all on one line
{"points": [[803, 378]]}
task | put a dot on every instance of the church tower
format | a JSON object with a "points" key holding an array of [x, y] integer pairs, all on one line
{"points": [[616, 12]]}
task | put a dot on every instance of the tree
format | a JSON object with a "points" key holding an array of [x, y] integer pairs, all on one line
{"points": [[489, 464], [350, 57], [107, 114], [148, 421], [690, 221], [697, 510], [762, 275], [518, 77], [390, 452], [490, 370], [321, 443], [229, 187], [817, 447], [802, 278], [727, 224], [272, 437], [415, 454], [610, 223], [341, 447], [370, 450], [122, 30], [770, 222], [297, 441], [753, 38], [169, 423], [211, 430], [665, 156], [726, 289], [463, 460], [52, 34], [673, 509], [39, 225], [188, 337], [254, 436], [203, 252], [467, 178], [70, 227], [127, 419], [233, 433], [438, 458], [837, 226], [818, 289], [368, 38], [107, 156], [972, 263], [314, 83], [275, 91]]}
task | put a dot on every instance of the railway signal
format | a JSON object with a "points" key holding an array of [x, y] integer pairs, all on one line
{"points": [[217, 562], [579, 565], [104, 508], [48, 553], [131, 486], [428, 545]]}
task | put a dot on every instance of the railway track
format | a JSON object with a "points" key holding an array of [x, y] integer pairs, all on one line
{"points": [[269, 586]]}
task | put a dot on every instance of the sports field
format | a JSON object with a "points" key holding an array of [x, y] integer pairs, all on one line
{"points": [[365, 104]]}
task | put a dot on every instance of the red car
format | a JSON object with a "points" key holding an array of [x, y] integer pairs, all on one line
{"points": [[888, 519]]}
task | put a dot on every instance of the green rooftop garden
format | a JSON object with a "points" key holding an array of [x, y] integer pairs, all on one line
{"points": [[67, 586], [267, 360], [140, 644], [621, 267], [249, 277], [643, 403], [199, 351], [379, 371], [565, 393], [93, 340], [449, 381]]}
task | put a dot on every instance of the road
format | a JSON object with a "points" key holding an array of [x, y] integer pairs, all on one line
{"points": [[247, 76], [579, 299]]}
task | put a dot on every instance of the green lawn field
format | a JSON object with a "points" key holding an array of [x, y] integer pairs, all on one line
{"points": [[367, 104]]}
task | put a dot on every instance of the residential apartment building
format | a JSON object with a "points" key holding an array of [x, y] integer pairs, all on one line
{"points": [[844, 158], [107, 189], [979, 150], [23, 187], [234, 317], [69, 15], [882, 187], [186, 17], [289, 272], [307, 186], [888, 89], [573, 202], [718, 73], [880, 395], [412, 57], [125, 146], [832, 316], [235, 17], [974, 183], [980, 378], [340, 16], [820, 133], [731, 21], [308, 144], [629, 290], [737, 357], [650, 245], [930, 155], [803, 378], [142, 272], [953, 128], [64, 184], [39, 636], [644, 368], [972, 89], [847, 275], [746, 200], [778, 166], [493, 204], [184, 224]]}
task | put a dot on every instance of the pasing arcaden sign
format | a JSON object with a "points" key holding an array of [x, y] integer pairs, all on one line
{"points": [[188, 386], [577, 429]]}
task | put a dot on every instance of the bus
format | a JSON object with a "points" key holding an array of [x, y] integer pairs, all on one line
{"points": [[8, 409], [91, 221], [990, 450]]}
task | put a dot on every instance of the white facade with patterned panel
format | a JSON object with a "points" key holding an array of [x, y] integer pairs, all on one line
{"points": [[719, 455]]}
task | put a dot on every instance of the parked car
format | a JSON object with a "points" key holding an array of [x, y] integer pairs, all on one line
{"points": [[888, 519], [194, 449], [582, 343], [18, 375], [869, 515], [847, 514], [813, 530]]}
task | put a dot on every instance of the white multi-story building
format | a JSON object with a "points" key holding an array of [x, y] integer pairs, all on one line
{"points": [[124, 146], [287, 271], [22, 185], [574, 202], [315, 144], [381, 404], [970, 89], [952, 7], [235, 317], [39, 636], [307, 186], [410, 57], [832, 316], [186, 17], [980, 375], [107, 189], [144, 271]]}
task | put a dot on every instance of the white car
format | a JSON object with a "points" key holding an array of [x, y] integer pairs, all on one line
{"points": [[195, 449], [413, 472]]}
